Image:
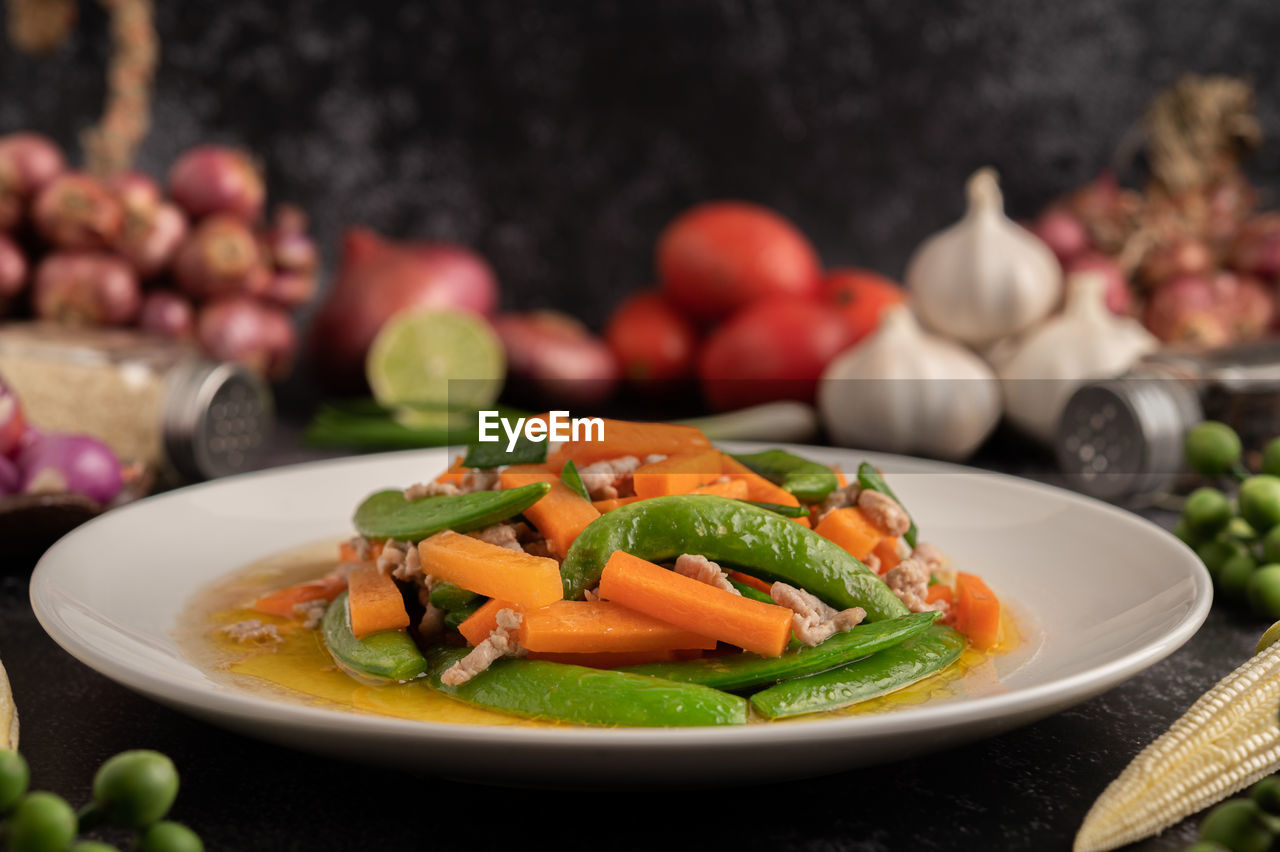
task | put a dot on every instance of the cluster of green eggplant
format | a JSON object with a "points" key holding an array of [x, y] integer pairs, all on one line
{"points": [[893, 649]]}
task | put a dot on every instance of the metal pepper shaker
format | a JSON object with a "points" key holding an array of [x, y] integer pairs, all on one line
{"points": [[154, 402]]}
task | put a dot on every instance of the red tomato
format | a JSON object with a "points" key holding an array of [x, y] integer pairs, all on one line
{"points": [[775, 349], [863, 296], [652, 342], [722, 255]]}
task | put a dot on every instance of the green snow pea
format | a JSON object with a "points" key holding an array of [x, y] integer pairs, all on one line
{"points": [[729, 532], [807, 480], [538, 689], [883, 672], [387, 514], [741, 671], [449, 597], [780, 509], [389, 655], [870, 478], [454, 617], [571, 478]]}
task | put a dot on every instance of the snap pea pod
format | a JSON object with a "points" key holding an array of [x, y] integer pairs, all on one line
{"points": [[729, 532], [807, 480], [745, 670], [780, 509], [881, 673], [454, 617], [449, 597], [484, 454], [570, 477], [870, 478], [390, 655], [387, 514], [538, 689]]}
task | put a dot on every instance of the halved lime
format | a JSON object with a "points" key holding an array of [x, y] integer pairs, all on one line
{"points": [[436, 357]]}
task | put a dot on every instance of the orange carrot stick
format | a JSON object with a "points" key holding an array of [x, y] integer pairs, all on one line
{"points": [[374, 601], [939, 592], [678, 474], [977, 611], [582, 627], [735, 489], [697, 607], [454, 474], [282, 601], [561, 514], [491, 570], [754, 582], [476, 627], [347, 552], [759, 489], [851, 529], [627, 438], [887, 552], [609, 505]]}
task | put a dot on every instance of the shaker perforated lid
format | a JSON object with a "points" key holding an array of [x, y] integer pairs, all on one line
{"points": [[1122, 438], [218, 419]]}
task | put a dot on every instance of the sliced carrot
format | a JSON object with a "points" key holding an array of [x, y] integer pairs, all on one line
{"points": [[454, 474], [609, 505], [759, 489], [851, 529], [754, 582], [840, 480], [490, 570], [347, 552], [977, 611], [735, 489], [939, 592], [697, 607], [628, 438], [561, 514], [677, 474], [582, 627], [283, 601], [887, 552], [608, 660], [374, 601], [477, 626]]}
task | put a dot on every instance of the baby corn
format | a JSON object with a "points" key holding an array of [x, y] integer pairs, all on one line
{"points": [[8, 714], [1229, 739]]}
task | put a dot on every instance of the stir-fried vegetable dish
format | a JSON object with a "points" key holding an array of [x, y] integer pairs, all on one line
{"points": [[646, 579]]}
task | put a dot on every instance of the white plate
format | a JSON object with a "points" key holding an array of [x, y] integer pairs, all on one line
{"points": [[1101, 594]]}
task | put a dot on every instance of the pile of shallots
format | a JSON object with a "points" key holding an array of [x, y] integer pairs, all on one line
{"points": [[195, 261]]}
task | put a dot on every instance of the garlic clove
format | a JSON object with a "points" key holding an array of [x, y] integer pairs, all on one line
{"points": [[984, 277]]}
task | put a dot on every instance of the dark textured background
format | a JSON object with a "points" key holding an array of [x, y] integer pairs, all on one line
{"points": [[558, 138]]}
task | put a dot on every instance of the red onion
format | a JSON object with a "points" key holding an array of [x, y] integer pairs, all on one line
{"points": [[286, 242], [377, 279], [10, 477], [77, 213], [1256, 249], [13, 268], [86, 289], [167, 314], [244, 330], [557, 358], [219, 258], [13, 425], [1118, 296], [213, 179], [79, 463], [290, 289], [29, 161], [150, 245], [1185, 310], [1177, 258], [1063, 232]]}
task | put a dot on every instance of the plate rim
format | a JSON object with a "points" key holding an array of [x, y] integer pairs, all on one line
{"points": [[225, 701]]}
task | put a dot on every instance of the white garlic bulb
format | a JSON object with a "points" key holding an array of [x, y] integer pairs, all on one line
{"points": [[903, 390], [985, 277], [1086, 341]]}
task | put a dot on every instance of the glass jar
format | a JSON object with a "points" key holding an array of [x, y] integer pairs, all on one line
{"points": [[155, 402]]}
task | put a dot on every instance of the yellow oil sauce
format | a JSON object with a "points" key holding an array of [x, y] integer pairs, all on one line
{"points": [[300, 669]]}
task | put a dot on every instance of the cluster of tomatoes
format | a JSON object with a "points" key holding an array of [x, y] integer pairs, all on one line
{"points": [[744, 305]]}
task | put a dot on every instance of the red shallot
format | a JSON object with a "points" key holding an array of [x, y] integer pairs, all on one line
{"points": [[242, 329], [219, 258], [76, 212], [13, 268], [56, 463], [214, 179], [86, 288], [167, 314]]}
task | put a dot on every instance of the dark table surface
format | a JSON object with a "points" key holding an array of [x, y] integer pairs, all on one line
{"points": [[1026, 789]]}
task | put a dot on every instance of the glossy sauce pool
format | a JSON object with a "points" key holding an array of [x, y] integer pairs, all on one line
{"points": [[300, 670]]}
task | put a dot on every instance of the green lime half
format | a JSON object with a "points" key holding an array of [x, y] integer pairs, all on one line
{"points": [[433, 357]]}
